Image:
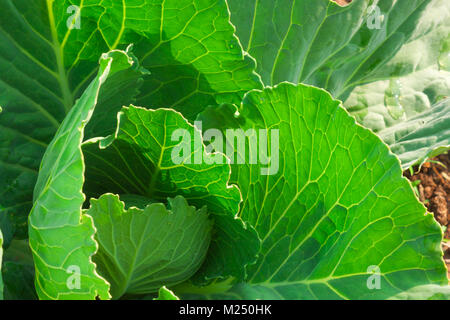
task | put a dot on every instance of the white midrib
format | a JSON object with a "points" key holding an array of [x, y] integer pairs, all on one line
{"points": [[62, 75]]}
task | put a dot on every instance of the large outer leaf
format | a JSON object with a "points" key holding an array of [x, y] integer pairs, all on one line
{"points": [[188, 45], [138, 160], [142, 249], [337, 206], [61, 237], [332, 47]]}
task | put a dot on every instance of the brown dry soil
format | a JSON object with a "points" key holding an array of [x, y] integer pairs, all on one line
{"points": [[434, 192]]}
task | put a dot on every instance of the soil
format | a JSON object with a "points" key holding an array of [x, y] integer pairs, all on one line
{"points": [[434, 191]]}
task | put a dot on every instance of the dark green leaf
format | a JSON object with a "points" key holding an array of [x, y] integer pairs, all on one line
{"points": [[139, 160], [49, 53]]}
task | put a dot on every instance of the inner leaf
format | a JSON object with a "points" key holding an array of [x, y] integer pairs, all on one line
{"points": [[141, 250]]}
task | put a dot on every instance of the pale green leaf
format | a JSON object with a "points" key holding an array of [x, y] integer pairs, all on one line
{"points": [[1, 254], [18, 272], [428, 46], [61, 237], [340, 48], [166, 294], [337, 209], [411, 114]]}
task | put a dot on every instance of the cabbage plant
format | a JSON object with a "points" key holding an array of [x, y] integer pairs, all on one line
{"points": [[117, 171]]}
